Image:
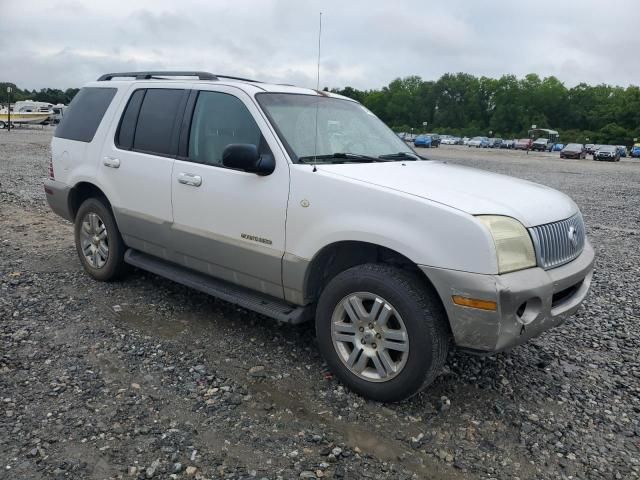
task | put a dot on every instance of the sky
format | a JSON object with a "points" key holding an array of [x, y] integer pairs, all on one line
{"points": [[365, 44]]}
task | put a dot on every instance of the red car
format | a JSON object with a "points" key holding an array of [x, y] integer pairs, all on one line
{"points": [[523, 144]]}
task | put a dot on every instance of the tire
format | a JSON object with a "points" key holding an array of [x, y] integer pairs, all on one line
{"points": [[417, 313], [2, 125], [95, 228]]}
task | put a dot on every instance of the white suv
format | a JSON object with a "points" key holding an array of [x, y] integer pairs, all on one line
{"points": [[300, 204]]}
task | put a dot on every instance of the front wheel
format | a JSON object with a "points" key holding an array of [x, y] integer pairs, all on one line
{"points": [[382, 331], [98, 241]]}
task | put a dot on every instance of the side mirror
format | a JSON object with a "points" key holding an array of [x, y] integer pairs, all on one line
{"points": [[245, 156]]}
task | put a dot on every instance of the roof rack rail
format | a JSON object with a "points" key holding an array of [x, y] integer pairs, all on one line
{"points": [[150, 75], [159, 75], [237, 78]]}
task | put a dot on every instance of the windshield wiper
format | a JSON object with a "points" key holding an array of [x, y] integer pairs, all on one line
{"points": [[340, 157], [403, 155]]}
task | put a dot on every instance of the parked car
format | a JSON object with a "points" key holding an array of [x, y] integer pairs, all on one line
{"points": [[465, 140], [435, 139], [523, 144], [451, 141], [635, 151], [495, 142], [557, 147], [407, 137], [591, 148], [478, 142], [608, 153], [424, 141], [574, 150], [507, 144], [622, 150], [542, 145], [202, 183]]}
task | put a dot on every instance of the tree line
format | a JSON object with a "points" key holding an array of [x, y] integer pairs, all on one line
{"points": [[465, 105], [49, 95]]}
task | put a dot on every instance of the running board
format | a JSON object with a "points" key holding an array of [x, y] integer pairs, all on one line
{"points": [[243, 297]]}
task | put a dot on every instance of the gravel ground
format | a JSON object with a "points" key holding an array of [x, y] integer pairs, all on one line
{"points": [[147, 379]]}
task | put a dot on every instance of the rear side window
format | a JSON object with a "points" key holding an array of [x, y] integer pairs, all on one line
{"points": [[155, 129], [127, 128], [220, 119], [83, 117]]}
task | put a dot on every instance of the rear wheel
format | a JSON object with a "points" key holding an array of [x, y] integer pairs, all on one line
{"points": [[98, 241], [382, 332], [2, 125]]}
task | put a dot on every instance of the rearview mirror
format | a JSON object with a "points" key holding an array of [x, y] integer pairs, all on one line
{"points": [[245, 156]]}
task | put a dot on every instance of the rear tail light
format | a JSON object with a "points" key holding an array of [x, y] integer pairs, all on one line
{"points": [[51, 174]]}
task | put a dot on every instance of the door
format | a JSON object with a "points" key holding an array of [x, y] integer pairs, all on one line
{"points": [[136, 166], [230, 223]]}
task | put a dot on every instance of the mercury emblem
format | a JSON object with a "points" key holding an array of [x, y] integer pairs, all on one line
{"points": [[573, 236]]}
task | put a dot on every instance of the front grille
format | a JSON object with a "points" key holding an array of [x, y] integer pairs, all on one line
{"points": [[559, 242]]}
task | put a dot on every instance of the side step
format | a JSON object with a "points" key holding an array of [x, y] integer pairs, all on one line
{"points": [[243, 297]]}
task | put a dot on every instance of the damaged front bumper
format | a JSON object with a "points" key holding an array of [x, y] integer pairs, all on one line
{"points": [[528, 302]]}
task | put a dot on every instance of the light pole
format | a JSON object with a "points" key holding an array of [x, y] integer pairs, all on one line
{"points": [[8, 109]]}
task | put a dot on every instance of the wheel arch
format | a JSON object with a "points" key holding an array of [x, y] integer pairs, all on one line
{"points": [[80, 192], [339, 256]]}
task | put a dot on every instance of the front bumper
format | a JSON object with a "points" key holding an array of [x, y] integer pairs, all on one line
{"points": [[58, 198], [529, 302]]}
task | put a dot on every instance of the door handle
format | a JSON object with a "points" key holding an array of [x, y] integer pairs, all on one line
{"points": [[111, 162], [190, 179]]}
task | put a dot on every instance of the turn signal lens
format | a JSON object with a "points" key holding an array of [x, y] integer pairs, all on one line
{"points": [[475, 303]]}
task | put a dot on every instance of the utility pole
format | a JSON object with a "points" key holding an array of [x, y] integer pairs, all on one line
{"points": [[8, 109]]}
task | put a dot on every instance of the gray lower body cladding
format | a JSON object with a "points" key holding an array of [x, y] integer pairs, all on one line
{"points": [[58, 194], [251, 266]]}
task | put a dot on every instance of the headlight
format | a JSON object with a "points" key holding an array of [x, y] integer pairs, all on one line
{"points": [[513, 243]]}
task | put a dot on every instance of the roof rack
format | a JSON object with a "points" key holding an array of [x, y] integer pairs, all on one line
{"points": [[159, 75]]}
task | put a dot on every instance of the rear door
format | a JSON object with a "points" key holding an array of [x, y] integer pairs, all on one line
{"points": [[229, 223], [136, 165]]}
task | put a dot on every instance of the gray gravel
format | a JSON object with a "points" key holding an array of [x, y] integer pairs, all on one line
{"points": [[147, 379]]}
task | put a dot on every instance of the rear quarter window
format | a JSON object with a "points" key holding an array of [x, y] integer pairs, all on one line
{"points": [[83, 117]]}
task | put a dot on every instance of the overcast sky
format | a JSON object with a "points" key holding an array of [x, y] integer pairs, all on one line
{"points": [[365, 44]]}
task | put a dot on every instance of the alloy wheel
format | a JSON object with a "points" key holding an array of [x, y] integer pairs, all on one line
{"points": [[369, 336], [94, 240]]}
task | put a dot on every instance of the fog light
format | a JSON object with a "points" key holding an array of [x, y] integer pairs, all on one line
{"points": [[528, 311], [475, 303]]}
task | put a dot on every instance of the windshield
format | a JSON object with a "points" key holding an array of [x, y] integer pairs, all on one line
{"points": [[343, 127], [573, 146]]}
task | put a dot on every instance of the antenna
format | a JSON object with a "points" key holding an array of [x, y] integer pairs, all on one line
{"points": [[319, 38], [315, 144]]}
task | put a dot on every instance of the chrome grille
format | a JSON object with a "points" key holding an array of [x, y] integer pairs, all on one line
{"points": [[553, 241]]}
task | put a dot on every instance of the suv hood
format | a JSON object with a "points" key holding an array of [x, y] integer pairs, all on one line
{"points": [[468, 189]]}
